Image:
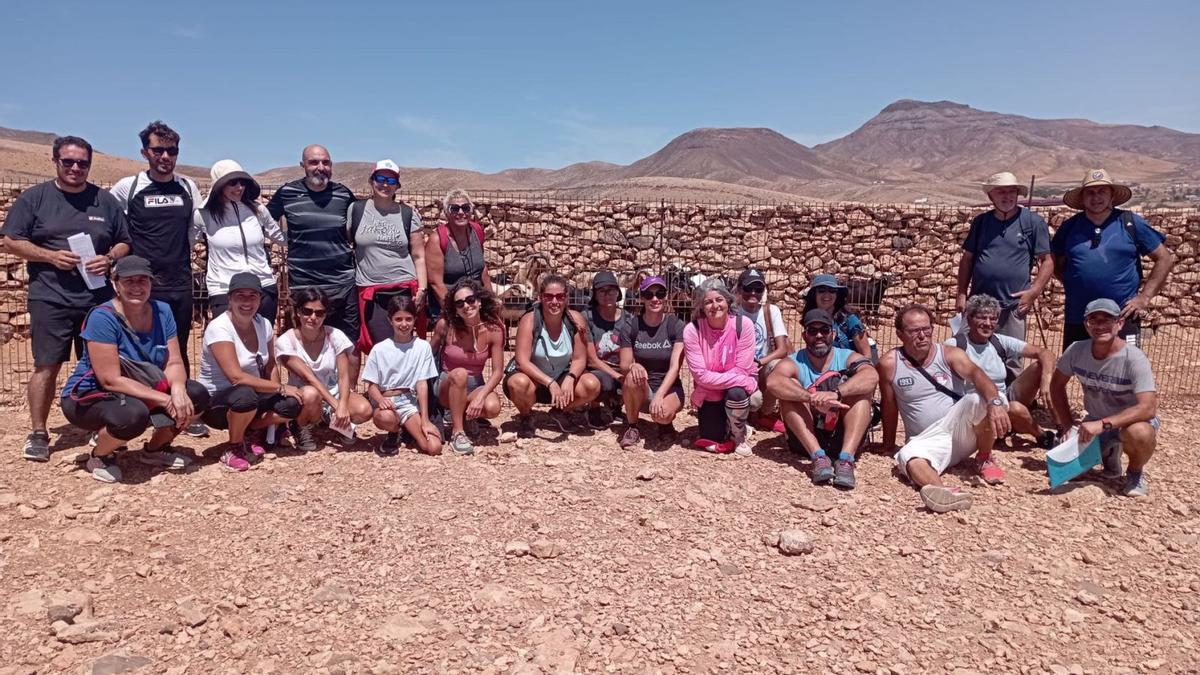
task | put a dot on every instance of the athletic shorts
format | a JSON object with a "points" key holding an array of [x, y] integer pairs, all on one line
{"points": [[238, 395], [949, 440], [541, 392], [53, 330], [651, 392]]}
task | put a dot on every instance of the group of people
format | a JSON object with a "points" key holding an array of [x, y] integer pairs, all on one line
{"points": [[367, 282]]}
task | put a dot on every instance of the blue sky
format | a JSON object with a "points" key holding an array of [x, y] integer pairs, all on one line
{"points": [[495, 85]]}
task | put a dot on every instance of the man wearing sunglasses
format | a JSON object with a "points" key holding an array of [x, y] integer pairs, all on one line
{"points": [[824, 397], [159, 205], [36, 229], [1098, 254]]}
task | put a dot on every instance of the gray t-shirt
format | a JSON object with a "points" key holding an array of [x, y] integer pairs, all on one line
{"points": [[989, 361], [1111, 385], [1004, 254], [381, 246]]}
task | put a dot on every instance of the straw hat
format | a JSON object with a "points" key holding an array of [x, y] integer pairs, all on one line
{"points": [[1120, 193], [1004, 179], [226, 170]]}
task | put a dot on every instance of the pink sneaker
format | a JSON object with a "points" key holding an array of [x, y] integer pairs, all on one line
{"points": [[713, 446], [234, 458], [991, 472], [254, 445]]}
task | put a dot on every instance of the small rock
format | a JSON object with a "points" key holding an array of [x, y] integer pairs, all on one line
{"points": [[237, 511], [995, 557], [66, 606], [771, 539], [315, 471], [1177, 507], [398, 491], [865, 666], [619, 628], [100, 494], [26, 511], [816, 504], [1084, 495], [448, 514], [729, 569], [82, 535], [331, 591], [191, 614], [647, 473], [545, 548], [1073, 616], [83, 632], [507, 437], [1086, 597], [795, 542], [113, 664], [517, 548]]}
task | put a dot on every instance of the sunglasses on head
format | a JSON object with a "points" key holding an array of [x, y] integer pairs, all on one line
{"points": [[818, 330], [656, 293], [157, 151], [309, 311], [463, 302], [81, 163], [554, 297], [459, 208], [381, 179]]}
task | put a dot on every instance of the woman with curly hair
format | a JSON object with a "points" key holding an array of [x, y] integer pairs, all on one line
{"points": [[469, 333], [849, 332]]}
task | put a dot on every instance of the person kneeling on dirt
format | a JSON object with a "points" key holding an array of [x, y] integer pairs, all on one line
{"points": [[771, 344], [131, 376], [551, 355], [651, 357], [238, 369], [719, 347], [825, 397], [1118, 394], [397, 374], [942, 426], [994, 353]]}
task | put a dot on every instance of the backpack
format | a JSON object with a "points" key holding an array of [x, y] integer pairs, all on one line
{"points": [[443, 233], [1010, 375], [360, 206], [538, 325], [1131, 230]]}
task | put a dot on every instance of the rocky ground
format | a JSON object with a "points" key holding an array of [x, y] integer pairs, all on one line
{"points": [[566, 554]]}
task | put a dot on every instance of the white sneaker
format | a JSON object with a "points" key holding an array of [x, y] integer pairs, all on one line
{"points": [[103, 469], [743, 449]]}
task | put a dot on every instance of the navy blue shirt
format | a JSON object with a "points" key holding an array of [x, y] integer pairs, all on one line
{"points": [[1107, 271], [102, 325], [1005, 251]]}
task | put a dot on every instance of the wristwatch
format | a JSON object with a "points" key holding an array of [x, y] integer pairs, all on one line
{"points": [[111, 260], [1106, 425], [999, 402]]}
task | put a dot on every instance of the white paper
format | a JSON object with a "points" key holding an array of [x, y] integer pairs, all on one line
{"points": [[956, 323], [347, 431], [81, 245], [1067, 450]]}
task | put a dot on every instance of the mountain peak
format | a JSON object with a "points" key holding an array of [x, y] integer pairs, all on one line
{"points": [[905, 104]]}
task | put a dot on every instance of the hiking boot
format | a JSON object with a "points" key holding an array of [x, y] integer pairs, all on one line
{"points": [[197, 429], [630, 437], [1110, 455], [990, 472], [843, 474], [1136, 485], [234, 457], [37, 446], [599, 418], [164, 457], [822, 470], [103, 469], [525, 427], [390, 445], [302, 437], [461, 445], [940, 499]]}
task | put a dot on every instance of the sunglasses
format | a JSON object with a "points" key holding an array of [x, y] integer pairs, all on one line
{"points": [[817, 330], [459, 208], [380, 179], [753, 290], [659, 294], [81, 163], [554, 297], [172, 150], [463, 302], [309, 311], [238, 182]]}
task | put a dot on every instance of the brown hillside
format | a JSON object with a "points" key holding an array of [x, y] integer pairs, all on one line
{"points": [[25, 155]]}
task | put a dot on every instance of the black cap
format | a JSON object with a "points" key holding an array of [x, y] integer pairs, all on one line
{"points": [[132, 266], [604, 278], [245, 281], [817, 316], [751, 276]]}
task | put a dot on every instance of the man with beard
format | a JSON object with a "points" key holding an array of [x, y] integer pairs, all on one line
{"points": [[1097, 254], [36, 229], [824, 395], [942, 426], [1118, 395], [319, 251]]}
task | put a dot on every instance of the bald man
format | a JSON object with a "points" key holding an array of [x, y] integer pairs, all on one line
{"points": [[314, 209]]}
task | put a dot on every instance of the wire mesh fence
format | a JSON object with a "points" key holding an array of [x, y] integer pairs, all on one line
{"points": [[889, 255]]}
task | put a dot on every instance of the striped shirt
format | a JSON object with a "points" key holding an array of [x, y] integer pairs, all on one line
{"points": [[319, 251]]}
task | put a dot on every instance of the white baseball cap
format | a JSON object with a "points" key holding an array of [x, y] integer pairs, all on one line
{"points": [[387, 165]]}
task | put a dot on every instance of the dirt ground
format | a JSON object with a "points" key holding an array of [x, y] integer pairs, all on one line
{"points": [[567, 554]]}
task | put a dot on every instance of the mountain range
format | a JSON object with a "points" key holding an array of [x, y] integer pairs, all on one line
{"points": [[911, 150]]}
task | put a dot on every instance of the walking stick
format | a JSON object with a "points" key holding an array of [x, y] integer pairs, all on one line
{"points": [[1036, 309]]}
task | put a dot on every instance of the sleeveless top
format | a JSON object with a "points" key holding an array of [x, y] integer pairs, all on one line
{"points": [[454, 356], [553, 357], [920, 403], [804, 369], [466, 263]]}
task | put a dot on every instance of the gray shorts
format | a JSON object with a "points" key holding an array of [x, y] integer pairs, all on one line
{"points": [[473, 382]]}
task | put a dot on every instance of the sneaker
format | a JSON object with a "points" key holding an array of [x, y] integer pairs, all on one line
{"points": [[254, 445], [1135, 484], [302, 437], [630, 438], [843, 474], [721, 448], [991, 472], [390, 445], [743, 449], [1110, 455], [940, 499], [103, 469], [37, 447], [164, 457], [461, 445], [197, 430], [234, 457], [525, 427], [599, 418], [822, 469]]}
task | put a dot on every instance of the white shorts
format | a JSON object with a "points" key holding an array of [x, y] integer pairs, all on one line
{"points": [[406, 406], [948, 441]]}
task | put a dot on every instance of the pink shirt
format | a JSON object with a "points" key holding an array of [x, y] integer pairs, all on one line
{"points": [[720, 360]]}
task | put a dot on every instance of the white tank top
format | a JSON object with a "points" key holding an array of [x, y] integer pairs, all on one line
{"points": [[920, 403]]}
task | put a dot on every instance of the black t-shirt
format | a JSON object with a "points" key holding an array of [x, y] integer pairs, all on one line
{"points": [[160, 220], [653, 345], [605, 335], [319, 251], [47, 216]]}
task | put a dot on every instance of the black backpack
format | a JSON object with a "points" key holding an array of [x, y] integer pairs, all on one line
{"points": [[360, 206], [1010, 375]]}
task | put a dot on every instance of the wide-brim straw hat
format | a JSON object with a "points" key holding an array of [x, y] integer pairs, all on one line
{"points": [[226, 170], [1004, 179], [1094, 177]]}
